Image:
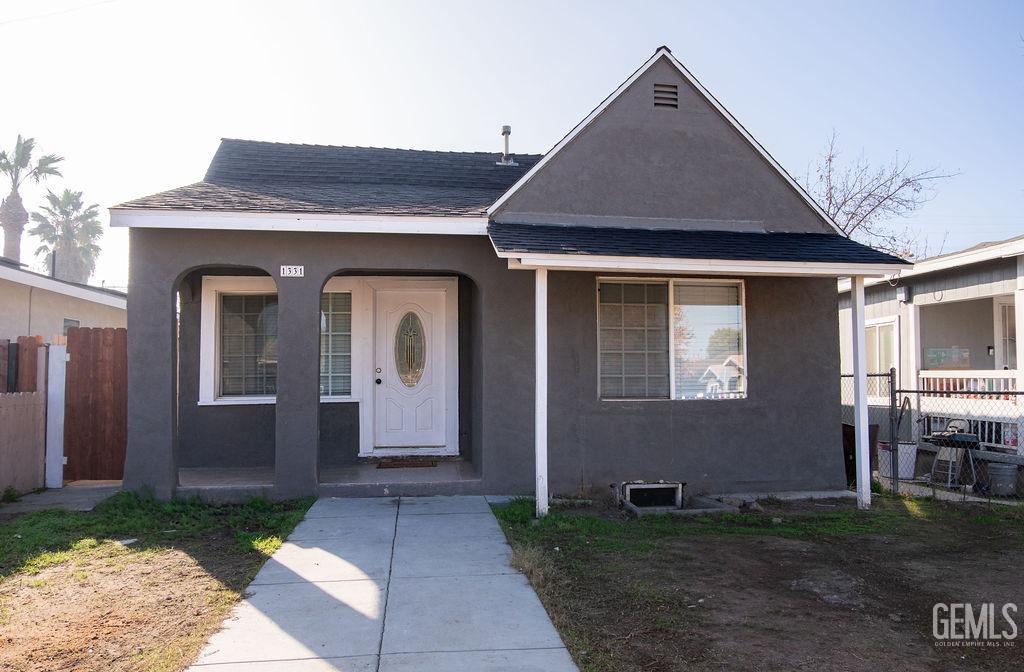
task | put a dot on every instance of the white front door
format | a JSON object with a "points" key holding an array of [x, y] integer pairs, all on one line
{"points": [[412, 390]]}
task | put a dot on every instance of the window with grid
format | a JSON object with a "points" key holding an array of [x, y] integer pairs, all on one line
{"points": [[633, 319], [248, 344], [336, 344]]}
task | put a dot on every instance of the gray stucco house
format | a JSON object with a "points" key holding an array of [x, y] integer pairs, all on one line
{"points": [[529, 323]]}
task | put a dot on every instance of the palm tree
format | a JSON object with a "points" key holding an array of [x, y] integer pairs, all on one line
{"points": [[69, 231], [18, 168]]}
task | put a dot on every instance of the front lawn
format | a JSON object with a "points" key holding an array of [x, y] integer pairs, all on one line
{"points": [[797, 586], [135, 584]]}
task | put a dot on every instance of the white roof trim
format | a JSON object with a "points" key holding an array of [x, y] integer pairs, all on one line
{"points": [[274, 221], [56, 286], [707, 95], [595, 263], [1008, 248]]}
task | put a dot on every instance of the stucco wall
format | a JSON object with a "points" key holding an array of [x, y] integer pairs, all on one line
{"points": [[30, 311], [784, 436], [666, 164]]}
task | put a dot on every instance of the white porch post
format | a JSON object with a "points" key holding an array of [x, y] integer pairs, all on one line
{"points": [[860, 392], [541, 395], [53, 463], [1018, 319], [1018, 315]]}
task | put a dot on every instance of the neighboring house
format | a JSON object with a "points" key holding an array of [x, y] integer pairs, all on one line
{"points": [[32, 304], [543, 319], [725, 378], [950, 324]]}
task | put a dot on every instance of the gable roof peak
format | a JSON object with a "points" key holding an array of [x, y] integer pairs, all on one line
{"points": [[663, 52]]}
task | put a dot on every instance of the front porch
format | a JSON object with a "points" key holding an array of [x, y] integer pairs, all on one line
{"points": [[396, 370]]}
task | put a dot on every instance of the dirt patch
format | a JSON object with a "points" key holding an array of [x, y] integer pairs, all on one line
{"points": [[136, 584], [827, 588], [120, 609]]}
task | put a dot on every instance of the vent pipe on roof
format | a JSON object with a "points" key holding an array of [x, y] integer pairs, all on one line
{"points": [[506, 158]]}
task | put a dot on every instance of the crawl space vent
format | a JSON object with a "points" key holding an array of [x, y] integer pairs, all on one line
{"points": [[666, 95], [639, 496]]}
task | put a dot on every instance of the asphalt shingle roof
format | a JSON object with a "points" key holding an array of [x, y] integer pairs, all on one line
{"points": [[249, 176], [683, 244]]}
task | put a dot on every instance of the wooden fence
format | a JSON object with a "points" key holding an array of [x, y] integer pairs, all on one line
{"points": [[23, 419], [19, 364], [22, 414], [96, 404]]}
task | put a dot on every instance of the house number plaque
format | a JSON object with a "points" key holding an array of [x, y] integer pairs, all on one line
{"points": [[293, 271]]}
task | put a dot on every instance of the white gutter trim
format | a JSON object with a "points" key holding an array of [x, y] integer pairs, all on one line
{"points": [[688, 76], [273, 221], [712, 266], [1012, 248], [58, 287]]}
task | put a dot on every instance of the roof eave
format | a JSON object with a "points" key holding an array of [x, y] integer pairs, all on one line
{"points": [[298, 221], [736, 267]]}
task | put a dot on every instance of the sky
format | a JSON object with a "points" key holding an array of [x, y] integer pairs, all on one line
{"points": [[135, 94]]}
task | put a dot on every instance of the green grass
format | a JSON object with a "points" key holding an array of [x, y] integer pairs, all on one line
{"points": [[42, 539], [889, 515]]}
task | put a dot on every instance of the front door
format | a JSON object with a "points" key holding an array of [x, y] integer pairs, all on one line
{"points": [[411, 368]]}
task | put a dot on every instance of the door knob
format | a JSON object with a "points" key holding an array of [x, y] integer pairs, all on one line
{"points": [[378, 381]]}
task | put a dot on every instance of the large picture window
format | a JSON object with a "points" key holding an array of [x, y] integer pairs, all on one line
{"points": [[665, 339]]}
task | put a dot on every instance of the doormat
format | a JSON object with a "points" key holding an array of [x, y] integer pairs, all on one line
{"points": [[405, 463]]}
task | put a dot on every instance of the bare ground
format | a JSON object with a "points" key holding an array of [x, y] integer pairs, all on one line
{"points": [[134, 585], [120, 610], [696, 599]]}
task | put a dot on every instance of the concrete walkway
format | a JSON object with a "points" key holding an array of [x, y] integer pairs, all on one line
{"points": [[391, 585], [75, 496]]}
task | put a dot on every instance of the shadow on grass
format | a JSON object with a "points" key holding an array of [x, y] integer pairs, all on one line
{"points": [[34, 541]]}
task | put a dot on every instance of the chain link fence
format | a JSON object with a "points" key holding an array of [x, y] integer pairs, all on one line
{"points": [[959, 439]]}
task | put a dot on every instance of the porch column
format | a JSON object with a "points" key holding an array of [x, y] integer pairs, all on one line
{"points": [[860, 393], [297, 418], [150, 461], [540, 437]]}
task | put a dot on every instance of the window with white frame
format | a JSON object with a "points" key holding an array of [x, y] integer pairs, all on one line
{"points": [[336, 344], [238, 350], [681, 339], [880, 342]]}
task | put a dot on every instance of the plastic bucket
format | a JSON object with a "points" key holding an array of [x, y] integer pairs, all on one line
{"points": [[1002, 479], [906, 460]]}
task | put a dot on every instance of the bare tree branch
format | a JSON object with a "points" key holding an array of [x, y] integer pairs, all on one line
{"points": [[863, 199]]}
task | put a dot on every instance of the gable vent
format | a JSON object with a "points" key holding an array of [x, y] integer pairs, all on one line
{"points": [[666, 95]]}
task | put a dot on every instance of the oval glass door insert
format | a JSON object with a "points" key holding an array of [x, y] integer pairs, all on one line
{"points": [[410, 349]]}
